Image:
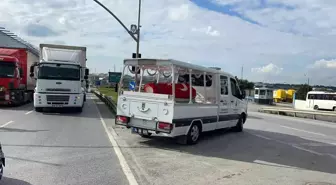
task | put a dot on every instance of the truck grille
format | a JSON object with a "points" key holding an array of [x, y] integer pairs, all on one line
{"points": [[58, 90], [57, 98]]}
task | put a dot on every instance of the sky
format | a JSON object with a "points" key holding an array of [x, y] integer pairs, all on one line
{"points": [[286, 41]]}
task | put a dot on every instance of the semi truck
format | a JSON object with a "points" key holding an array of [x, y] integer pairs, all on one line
{"points": [[16, 87], [61, 75]]}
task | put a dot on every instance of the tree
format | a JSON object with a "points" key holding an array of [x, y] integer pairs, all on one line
{"points": [[302, 91], [245, 84]]}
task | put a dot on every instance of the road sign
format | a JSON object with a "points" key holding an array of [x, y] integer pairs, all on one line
{"points": [[131, 86], [114, 77], [97, 82], [134, 55]]}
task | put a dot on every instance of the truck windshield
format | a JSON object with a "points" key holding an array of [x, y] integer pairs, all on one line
{"points": [[7, 69], [59, 72]]}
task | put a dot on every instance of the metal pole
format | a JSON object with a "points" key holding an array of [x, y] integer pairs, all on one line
{"points": [[138, 41], [122, 24], [138, 31]]}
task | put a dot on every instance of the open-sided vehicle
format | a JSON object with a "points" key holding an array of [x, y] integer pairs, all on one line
{"points": [[160, 98]]}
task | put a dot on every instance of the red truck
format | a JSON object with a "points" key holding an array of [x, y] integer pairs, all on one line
{"points": [[16, 86]]}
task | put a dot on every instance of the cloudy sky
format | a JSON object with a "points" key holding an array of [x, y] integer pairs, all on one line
{"points": [[274, 40]]}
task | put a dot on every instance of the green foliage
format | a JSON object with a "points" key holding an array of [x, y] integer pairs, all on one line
{"points": [[302, 91], [108, 92], [245, 84]]}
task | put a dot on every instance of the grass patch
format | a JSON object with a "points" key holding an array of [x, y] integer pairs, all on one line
{"points": [[109, 92]]}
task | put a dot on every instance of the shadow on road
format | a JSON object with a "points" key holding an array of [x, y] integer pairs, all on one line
{"points": [[25, 107], [5, 129], [10, 181], [254, 145], [89, 110]]}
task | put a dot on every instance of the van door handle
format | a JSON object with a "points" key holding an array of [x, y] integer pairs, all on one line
{"points": [[221, 101], [232, 101]]}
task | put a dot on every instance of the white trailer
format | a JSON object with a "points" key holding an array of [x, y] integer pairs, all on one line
{"points": [[172, 106], [60, 75]]}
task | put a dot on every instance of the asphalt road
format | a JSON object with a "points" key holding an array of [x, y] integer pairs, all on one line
{"points": [[74, 149], [51, 148], [272, 150]]}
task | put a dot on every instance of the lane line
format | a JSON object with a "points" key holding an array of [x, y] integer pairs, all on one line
{"points": [[6, 124], [303, 130], [273, 164], [296, 119], [288, 144], [123, 163], [28, 112]]}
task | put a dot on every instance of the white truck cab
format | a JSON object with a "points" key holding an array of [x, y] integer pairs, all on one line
{"points": [[171, 106], [59, 77]]}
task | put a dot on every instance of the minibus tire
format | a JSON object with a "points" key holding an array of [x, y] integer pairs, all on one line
{"points": [[194, 127], [239, 127]]}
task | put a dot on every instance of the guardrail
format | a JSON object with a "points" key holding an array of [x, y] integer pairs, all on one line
{"points": [[295, 112], [107, 100]]}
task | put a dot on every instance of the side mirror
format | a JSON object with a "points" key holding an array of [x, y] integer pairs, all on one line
{"points": [[243, 94], [86, 77], [21, 72], [32, 68], [86, 72]]}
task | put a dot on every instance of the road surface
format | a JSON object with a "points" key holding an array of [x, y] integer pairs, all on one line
{"points": [[74, 149], [57, 149]]}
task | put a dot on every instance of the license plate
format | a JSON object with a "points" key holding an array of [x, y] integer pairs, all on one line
{"points": [[57, 105], [139, 131], [134, 130]]}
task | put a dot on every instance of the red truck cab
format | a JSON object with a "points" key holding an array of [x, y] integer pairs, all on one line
{"points": [[13, 66]]}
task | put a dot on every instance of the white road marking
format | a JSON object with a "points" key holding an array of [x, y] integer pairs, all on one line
{"points": [[6, 124], [299, 120], [292, 145], [28, 112], [123, 163], [303, 131], [272, 164], [267, 138]]}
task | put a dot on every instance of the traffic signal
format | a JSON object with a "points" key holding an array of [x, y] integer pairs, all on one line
{"points": [[134, 55]]}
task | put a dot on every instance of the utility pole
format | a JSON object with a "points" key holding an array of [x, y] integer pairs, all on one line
{"points": [[242, 71], [138, 31], [135, 30]]}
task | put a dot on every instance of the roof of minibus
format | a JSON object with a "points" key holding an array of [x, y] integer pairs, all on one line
{"points": [[168, 62]]}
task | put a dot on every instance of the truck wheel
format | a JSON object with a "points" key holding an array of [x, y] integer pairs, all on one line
{"points": [[79, 109], [1, 170], [240, 124], [38, 109], [194, 134]]}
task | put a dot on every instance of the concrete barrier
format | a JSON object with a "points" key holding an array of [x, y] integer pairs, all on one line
{"points": [[301, 105], [312, 114]]}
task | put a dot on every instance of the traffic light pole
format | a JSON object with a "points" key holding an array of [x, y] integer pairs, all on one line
{"points": [[136, 39], [138, 30]]}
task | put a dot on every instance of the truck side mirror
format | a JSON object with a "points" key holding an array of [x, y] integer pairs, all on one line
{"points": [[86, 77], [243, 94], [86, 72], [21, 72], [32, 69]]}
